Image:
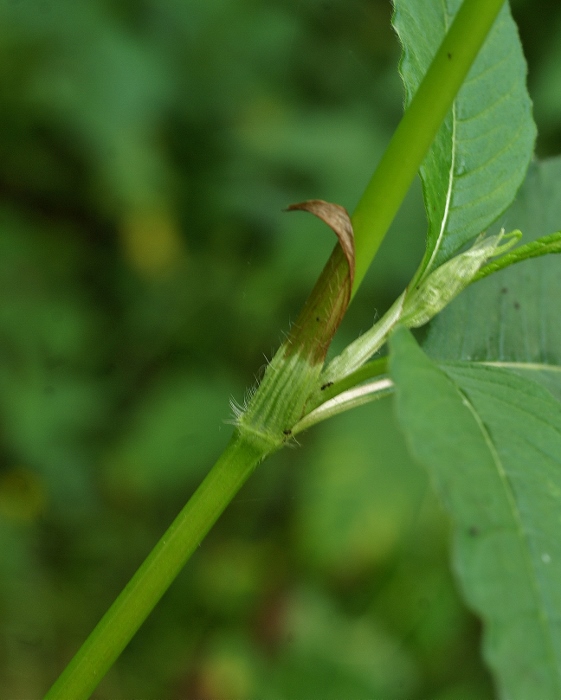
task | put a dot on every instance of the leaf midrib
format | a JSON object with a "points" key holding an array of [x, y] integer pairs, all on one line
{"points": [[436, 249], [448, 201]]}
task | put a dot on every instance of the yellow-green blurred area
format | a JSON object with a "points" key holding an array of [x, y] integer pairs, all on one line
{"points": [[147, 149]]}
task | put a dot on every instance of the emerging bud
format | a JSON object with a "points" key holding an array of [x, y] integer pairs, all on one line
{"points": [[437, 290]]}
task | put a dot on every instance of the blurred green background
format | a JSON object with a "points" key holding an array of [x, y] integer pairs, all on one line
{"points": [[147, 271]]}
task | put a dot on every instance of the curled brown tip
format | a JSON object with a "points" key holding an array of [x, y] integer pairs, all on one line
{"points": [[339, 221]]}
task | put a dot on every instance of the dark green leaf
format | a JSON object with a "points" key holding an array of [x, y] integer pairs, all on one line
{"points": [[491, 441], [480, 154]]}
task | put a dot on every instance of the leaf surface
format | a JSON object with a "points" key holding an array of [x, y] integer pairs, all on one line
{"points": [[478, 159], [514, 316], [491, 441], [505, 331]]}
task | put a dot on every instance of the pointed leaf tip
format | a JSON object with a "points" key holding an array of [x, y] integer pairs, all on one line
{"points": [[339, 221]]}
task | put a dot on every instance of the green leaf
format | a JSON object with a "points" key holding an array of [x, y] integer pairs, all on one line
{"points": [[511, 321], [481, 152], [491, 441], [513, 315]]}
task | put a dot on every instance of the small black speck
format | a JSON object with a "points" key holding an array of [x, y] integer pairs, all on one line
{"points": [[326, 385], [318, 319], [449, 56], [287, 431], [31, 642], [516, 305], [473, 531], [504, 290]]}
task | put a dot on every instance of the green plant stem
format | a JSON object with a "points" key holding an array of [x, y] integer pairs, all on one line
{"points": [[416, 131], [150, 582], [546, 245], [351, 391], [369, 370], [371, 220]]}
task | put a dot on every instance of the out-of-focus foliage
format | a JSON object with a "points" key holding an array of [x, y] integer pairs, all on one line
{"points": [[146, 152]]}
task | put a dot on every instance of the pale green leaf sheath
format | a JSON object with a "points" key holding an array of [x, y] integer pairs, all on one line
{"points": [[491, 441]]}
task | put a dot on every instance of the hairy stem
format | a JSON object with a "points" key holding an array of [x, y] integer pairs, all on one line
{"points": [[307, 345]]}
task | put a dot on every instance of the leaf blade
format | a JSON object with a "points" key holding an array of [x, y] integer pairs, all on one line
{"points": [[478, 159], [507, 549]]}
